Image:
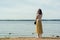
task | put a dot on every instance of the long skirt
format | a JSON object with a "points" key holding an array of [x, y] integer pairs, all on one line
{"points": [[39, 27]]}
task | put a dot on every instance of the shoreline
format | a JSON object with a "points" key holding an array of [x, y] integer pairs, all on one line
{"points": [[31, 38]]}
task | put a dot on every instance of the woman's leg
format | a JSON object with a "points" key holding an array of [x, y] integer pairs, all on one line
{"points": [[39, 35]]}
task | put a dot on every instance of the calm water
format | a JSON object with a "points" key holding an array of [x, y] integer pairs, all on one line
{"points": [[27, 28]]}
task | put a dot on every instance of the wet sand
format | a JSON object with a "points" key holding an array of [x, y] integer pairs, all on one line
{"points": [[30, 38]]}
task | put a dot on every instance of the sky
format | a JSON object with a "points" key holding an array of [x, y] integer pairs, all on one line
{"points": [[27, 9]]}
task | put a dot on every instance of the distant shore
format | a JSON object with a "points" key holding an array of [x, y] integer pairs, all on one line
{"points": [[31, 20]]}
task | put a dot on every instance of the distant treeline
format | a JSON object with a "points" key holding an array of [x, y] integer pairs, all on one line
{"points": [[33, 20]]}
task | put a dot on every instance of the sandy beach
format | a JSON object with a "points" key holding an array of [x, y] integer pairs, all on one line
{"points": [[30, 38]]}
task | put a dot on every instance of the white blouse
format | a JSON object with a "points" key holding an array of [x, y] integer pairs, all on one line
{"points": [[39, 16]]}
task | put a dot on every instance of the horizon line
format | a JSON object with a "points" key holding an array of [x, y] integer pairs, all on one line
{"points": [[29, 20]]}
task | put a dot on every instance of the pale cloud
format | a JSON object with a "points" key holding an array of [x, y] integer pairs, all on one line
{"points": [[26, 9]]}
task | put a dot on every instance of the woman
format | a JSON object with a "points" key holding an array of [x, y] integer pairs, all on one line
{"points": [[39, 23]]}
